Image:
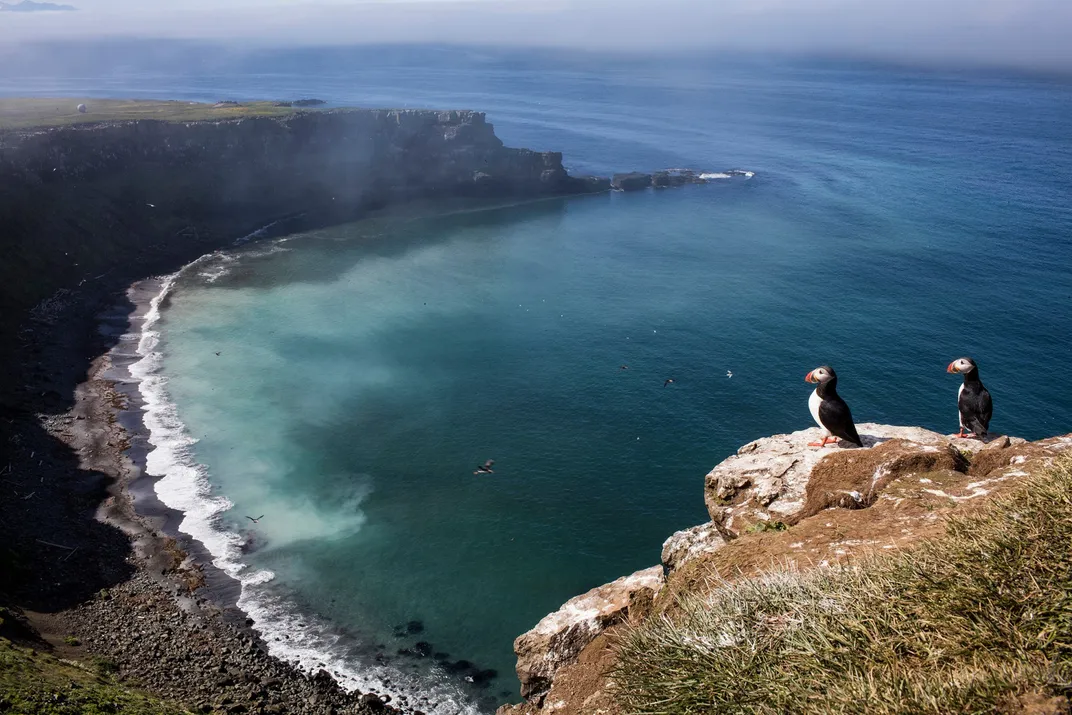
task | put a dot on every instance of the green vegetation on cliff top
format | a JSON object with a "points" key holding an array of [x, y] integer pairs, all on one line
{"points": [[34, 683], [27, 113], [978, 621]]}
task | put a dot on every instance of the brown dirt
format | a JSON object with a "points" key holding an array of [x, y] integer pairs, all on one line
{"points": [[853, 479], [1039, 704]]}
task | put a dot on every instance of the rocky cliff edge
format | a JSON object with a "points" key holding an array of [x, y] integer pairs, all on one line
{"points": [[777, 503]]}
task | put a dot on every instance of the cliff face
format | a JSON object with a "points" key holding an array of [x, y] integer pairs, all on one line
{"points": [[776, 503], [78, 202]]}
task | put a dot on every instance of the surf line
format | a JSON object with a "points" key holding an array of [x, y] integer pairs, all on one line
{"points": [[181, 483]]}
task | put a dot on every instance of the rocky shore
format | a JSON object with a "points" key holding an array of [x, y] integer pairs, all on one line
{"points": [[87, 211]]}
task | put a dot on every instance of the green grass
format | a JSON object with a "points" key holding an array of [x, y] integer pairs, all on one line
{"points": [[33, 683], [976, 621], [26, 113]]}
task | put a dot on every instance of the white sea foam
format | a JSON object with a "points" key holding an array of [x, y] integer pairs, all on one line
{"points": [[714, 175], [307, 642]]}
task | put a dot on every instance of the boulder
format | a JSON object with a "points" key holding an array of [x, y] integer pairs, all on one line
{"points": [[558, 639]]}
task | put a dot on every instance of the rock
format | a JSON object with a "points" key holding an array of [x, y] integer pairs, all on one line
{"points": [[674, 177], [633, 181], [767, 479], [688, 544], [590, 184], [559, 637], [373, 702]]}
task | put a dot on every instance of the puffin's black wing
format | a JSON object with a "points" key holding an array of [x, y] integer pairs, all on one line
{"points": [[976, 408], [836, 417]]}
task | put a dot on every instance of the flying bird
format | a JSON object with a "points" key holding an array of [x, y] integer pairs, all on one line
{"points": [[973, 400], [668, 382], [255, 520], [217, 353], [485, 468], [829, 410], [623, 367], [729, 373]]}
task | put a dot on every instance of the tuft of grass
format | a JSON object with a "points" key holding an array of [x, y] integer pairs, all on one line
{"points": [[33, 683], [761, 526], [976, 621]]}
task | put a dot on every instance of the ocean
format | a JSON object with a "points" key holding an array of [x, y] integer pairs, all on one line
{"points": [[342, 385]]}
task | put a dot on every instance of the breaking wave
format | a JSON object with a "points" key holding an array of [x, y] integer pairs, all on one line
{"points": [[301, 639]]}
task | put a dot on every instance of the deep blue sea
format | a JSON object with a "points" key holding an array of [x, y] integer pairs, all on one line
{"points": [[345, 383]]}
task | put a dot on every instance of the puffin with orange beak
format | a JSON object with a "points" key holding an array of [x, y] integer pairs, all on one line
{"points": [[973, 401], [829, 410]]}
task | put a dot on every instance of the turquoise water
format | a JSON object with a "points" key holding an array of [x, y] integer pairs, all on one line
{"points": [[897, 220]]}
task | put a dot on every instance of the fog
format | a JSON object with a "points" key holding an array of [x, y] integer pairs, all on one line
{"points": [[1020, 33]]}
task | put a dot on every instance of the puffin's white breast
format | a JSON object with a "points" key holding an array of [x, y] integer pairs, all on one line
{"points": [[813, 404], [960, 416]]}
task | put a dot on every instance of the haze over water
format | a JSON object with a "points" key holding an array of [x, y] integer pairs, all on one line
{"points": [[897, 220]]}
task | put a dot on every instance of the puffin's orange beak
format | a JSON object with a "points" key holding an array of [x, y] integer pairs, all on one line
{"points": [[809, 378], [952, 367]]}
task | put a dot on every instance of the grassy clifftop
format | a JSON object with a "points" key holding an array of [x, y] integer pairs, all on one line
{"points": [[34, 683], [27, 113], [977, 621]]}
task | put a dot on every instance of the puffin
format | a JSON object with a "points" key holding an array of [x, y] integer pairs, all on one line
{"points": [[973, 400], [829, 410]]}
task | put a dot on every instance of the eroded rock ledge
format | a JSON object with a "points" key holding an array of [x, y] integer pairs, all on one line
{"points": [[775, 503]]}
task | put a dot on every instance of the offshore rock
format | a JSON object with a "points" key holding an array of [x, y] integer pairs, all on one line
{"points": [[633, 181], [560, 636]]}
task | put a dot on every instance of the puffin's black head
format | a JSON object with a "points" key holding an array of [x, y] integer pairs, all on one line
{"points": [[962, 365], [822, 374]]}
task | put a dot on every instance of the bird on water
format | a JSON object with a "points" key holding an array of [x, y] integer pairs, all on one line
{"points": [[670, 381], [973, 400], [829, 410]]}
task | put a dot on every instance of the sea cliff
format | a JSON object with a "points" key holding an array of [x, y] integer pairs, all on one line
{"points": [[81, 200], [89, 205], [781, 508]]}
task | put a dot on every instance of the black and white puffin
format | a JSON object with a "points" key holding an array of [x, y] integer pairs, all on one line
{"points": [[829, 410], [973, 400]]}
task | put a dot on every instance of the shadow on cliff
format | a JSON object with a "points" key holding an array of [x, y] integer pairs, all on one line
{"points": [[55, 554]]}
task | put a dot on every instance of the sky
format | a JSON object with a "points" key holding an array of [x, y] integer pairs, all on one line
{"points": [[1021, 33]]}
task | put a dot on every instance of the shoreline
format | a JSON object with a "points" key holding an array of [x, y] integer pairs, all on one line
{"points": [[302, 639], [91, 340], [159, 604]]}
